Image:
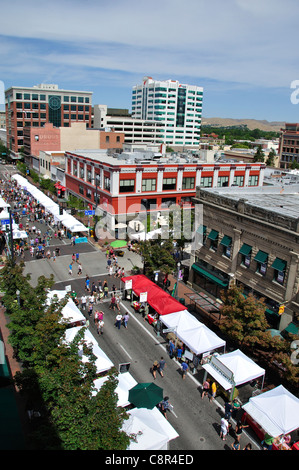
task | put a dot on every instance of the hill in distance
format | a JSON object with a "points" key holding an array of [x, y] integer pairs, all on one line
{"points": [[273, 126]]}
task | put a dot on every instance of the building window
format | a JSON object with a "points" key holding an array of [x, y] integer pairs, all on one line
{"points": [[246, 255], [149, 184], [107, 139], [81, 173], [89, 176], [88, 193], [279, 267], [213, 237], [169, 183], [117, 138], [206, 181], [35, 96], [73, 99], [222, 181], [126, 186], [66, 99], [261, 262], [188, 183], [26, 96], [226, 243], [253, 180], [19, 96], [81, 189], [239, 180], [107, 183]]}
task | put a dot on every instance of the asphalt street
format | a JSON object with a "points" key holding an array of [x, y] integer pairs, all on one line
{"points": [[197, 421]]}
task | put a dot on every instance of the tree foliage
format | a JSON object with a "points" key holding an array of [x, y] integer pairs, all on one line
{"points": [[158, 255], [55, 379]]}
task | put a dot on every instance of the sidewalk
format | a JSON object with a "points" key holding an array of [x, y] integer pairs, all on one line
{"points": [[13, 422]]}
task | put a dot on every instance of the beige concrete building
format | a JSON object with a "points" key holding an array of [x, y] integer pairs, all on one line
{"points": [[251, 238]]}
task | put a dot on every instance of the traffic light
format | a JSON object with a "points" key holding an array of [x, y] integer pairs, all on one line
{"points": [[60, 210]]}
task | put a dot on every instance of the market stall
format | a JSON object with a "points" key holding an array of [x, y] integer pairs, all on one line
{"points": [[148, 429], [275, 412], [103, 363], [70, 312], [159, 300], [192, 332], [232, 369], [125, 382]]}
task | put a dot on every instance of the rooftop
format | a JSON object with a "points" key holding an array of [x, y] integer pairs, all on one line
{"points": [[280, 199]]}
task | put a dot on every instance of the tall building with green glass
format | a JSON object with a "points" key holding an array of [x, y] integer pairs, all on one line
{"points": [[177, 106]]}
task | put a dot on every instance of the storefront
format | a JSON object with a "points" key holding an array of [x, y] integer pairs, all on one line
{"points": [[210, 279]]}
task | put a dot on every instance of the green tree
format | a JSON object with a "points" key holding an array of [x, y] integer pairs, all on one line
{"points": [[243, 318], [259, 155], [271, 158], [158, 255]]}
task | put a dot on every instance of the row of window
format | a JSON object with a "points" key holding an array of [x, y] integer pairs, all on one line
{"points": [[42, 97], [260, 259], [66, 107], [150, 184]]}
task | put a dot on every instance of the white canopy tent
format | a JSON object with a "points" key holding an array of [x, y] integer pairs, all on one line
{"points": [[149, 429], [103, 362], [125, 383], [192, 332], [232, 369], [66, 219], [276, 411], [70, 311]]}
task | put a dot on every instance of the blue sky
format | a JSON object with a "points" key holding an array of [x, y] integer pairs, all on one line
{"points": [[244, 53]]}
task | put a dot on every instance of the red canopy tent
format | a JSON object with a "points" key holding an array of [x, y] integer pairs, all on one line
{"points": [[162, 302]]}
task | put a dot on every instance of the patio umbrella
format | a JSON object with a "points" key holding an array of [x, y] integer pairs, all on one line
{"points": [[118, 243], [146, 395]]}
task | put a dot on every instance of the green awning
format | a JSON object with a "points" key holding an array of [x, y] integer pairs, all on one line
{"points": [[279, 264], [210, 276], [213, 235], [292, 328], [261, 257], [245, 249], [226, 241]]}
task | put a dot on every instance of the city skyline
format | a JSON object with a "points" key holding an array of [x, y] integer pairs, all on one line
{"points": [[240, 52]]}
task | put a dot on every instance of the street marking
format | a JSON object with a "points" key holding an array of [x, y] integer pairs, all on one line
{"points": [[125, 351]]}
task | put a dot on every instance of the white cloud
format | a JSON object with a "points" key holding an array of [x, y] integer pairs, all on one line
{"points": [[246, 42]]}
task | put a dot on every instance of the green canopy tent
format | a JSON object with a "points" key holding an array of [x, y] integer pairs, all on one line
{"points": [[118, 243], [145, 395]]}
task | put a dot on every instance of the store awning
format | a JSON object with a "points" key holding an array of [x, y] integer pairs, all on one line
{"points": [[245, 249], [261, 257], [226, 241], [279, 264], [213, 235], [210, 276], [292, 328]]}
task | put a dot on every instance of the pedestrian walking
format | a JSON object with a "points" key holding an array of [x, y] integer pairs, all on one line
{"points": [[118, 321], [239, 429], [206, 388], [79, 270], [162, 364], [100, 327], [165, 406], [87, 283], [213, 391], [90, 309], [223, 428], [73, 257], [171, 348], [155, 367], [236, 445], [179, 353], [112, 303], [77, 257], [185, 368], [228, 409], [70, 269], [54, 255], [126, 319], [83, 302]]}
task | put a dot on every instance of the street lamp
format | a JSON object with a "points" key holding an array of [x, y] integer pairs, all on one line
{"points": [[177, 279], [144, 201]]}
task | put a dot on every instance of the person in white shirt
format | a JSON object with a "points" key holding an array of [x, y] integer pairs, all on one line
{"points": [[83, 302]]}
